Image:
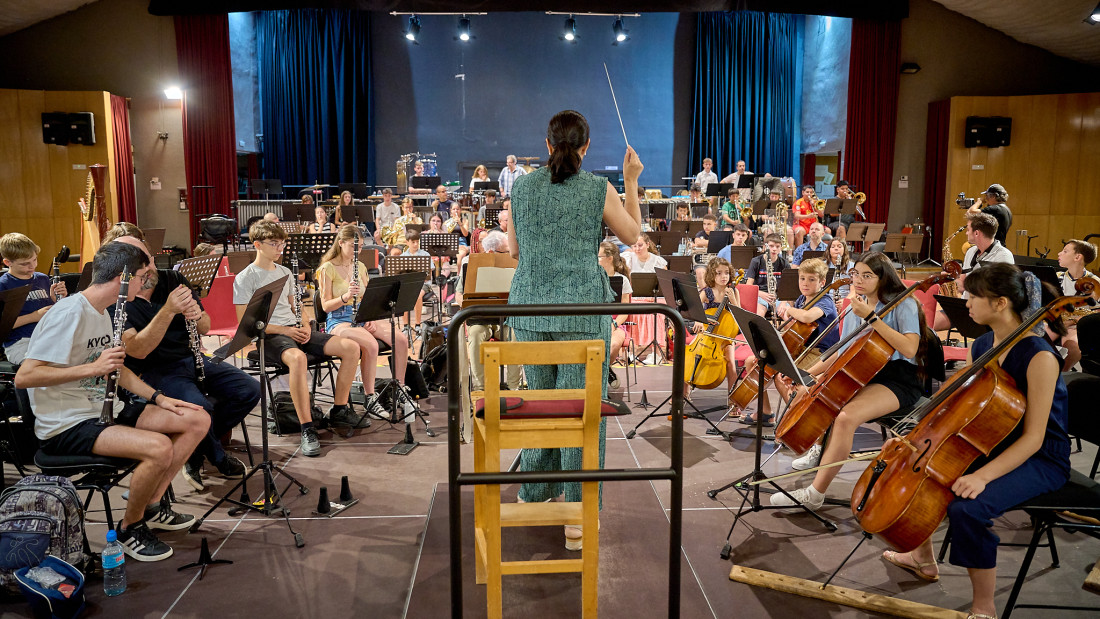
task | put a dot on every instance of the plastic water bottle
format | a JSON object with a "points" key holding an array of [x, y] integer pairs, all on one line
{"points": [[114, 566]]}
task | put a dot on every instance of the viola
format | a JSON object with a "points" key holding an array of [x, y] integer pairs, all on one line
{"points": [[706, 355], [904, 496], [814, 410], [795, 335]]}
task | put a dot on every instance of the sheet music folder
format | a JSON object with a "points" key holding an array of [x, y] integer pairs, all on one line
{"points": [[496, 280]]}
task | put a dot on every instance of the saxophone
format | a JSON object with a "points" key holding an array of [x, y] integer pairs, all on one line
{"points": [[781, 227], [950, 289], [297, 291], [110, 392]]}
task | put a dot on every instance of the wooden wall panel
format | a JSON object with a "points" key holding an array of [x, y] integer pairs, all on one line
{"points": [[39, 191], [1049, 169]]}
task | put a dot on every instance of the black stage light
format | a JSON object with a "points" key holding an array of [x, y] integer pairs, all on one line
{"points": [[620, 32], [414, 28], [570, 29], [464, 29]]}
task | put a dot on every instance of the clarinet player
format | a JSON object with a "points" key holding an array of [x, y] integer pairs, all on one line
{"points": [[160, 347]]}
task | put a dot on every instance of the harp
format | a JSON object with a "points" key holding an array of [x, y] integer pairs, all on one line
{"points": [[95, 204]]}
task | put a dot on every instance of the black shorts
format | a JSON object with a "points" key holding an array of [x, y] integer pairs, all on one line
{"points": [[900, 377], [276, 345], [79, 439]]}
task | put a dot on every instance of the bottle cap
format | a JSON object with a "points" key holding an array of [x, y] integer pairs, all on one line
{"points": [[112, 536]]}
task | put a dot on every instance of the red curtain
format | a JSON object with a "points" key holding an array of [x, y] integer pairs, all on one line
{"points": [[209, 150], [124, 159], [935, 173], [873, 77], [809, 167]]}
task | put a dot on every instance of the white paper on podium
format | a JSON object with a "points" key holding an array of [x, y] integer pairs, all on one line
{"points": [[494, 279]]}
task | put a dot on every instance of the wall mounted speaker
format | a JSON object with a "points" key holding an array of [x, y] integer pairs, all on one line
{"points": [[82, 128], [991, 132], [55, 128]]}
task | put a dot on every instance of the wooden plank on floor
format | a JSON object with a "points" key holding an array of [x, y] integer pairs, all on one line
{"points": [[1092, 581], [862, 600]]}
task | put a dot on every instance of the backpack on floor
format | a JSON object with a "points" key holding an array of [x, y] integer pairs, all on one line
{"points": [[434, 368], [40, 515], [285, 417]]}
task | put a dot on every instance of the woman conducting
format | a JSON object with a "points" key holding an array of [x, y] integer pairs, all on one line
{"points": [[558, 268]]}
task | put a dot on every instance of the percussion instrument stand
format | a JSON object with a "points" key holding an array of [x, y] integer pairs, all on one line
{"points": [[253, 324], [769, 349]]}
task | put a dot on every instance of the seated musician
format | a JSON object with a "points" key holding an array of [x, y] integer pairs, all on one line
{"points": [[718, 289], [481, 175], [740, 237], [695, 194], [442, 202], [980, 231], [899, 384], [385, 214], [69, 352], [395, 237], [456, 225], [838, 225], [840, 259], [490, 202], [202, 249], [814, 242], [504, 219], [21, 257], [478, 334], [804, 214], [418, 170], [1073, 258], [642, 257], [346, 201], [307, 198], [320, 222], [1034, 459], [412, 248], [765, 271], [287, 343], [811, 279], [702, 238], [615, 267], [683, 212], [340, 292], [160, 349], [730, 214]]}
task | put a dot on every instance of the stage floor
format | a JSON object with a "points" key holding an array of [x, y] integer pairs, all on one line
{"points": [[388, 555]]}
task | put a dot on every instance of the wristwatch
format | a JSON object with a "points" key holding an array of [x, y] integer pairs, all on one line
{"points": [[156, 394]]}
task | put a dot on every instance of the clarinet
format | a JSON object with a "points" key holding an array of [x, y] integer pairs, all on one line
{"points": [[297, 291], [107, 415], [55, 278], [770, 277], [195, 343], [355, 269]]}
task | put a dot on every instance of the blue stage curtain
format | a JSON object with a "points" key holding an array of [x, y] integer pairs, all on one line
{"points": [[315, 96], [747, 92]]}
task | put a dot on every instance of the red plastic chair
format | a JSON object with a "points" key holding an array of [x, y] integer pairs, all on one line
{"points": [[219, 306]]}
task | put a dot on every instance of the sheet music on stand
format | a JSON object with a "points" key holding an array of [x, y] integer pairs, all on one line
{"points": [[395, 265], [309, 247], [200, 272], [492, 217], [440, 243]]}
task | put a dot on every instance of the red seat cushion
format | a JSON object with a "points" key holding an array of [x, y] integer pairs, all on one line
{"points": [[518, 408], [954, 353]]}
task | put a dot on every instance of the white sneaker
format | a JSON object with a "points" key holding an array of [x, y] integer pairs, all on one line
{"points": [[407, 403], [808, 497], [808, 460]]}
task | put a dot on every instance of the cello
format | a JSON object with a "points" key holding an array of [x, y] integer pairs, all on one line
{"points": [[708, 349], [814, 410], [794, 334], [904, 496]]}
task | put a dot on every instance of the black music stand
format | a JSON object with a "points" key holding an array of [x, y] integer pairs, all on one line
{"points": [[309, 247], [424, 182], [492, 216], [200, 272], [396, 265], [440, 245], [788, 286], [85, 277], [680, 291], [741, 255], [1046, 274], [680, 264], [486, 185], [810, 254], [257, 315], [719, 240], [358, 191], [959, 315], [11, 303], [267, 186], [719, 190], [699, 211], [389, 297], [659, 210], [645, 285], [767, 345]]}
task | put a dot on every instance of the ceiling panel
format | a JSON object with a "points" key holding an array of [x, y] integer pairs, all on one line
{"points": [[16, 15]]}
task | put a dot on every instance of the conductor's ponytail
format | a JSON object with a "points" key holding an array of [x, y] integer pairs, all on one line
{"points": [[567, 134]]}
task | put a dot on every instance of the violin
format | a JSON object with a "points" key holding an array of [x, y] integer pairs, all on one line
{"points": [[904, 496], [708, 349], [794, 334], [814, 410]]}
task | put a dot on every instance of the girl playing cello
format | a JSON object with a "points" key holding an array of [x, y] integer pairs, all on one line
{"points": [[1034, 459], [898, 384], [719, 288]]}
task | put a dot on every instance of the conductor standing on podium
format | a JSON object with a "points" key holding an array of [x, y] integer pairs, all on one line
{"points": [[562, 268]]}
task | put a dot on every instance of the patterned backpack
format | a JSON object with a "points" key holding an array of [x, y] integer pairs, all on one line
{"points": [[40, 515]]}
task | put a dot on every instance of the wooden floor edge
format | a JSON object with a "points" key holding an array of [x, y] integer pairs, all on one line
{"points": [[839, 595]]}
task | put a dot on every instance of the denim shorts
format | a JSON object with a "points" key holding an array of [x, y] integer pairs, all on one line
{"points": [[342, 315]]}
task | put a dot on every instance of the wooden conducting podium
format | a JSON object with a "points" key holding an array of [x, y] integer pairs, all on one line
{"points": [[488, 280]]}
